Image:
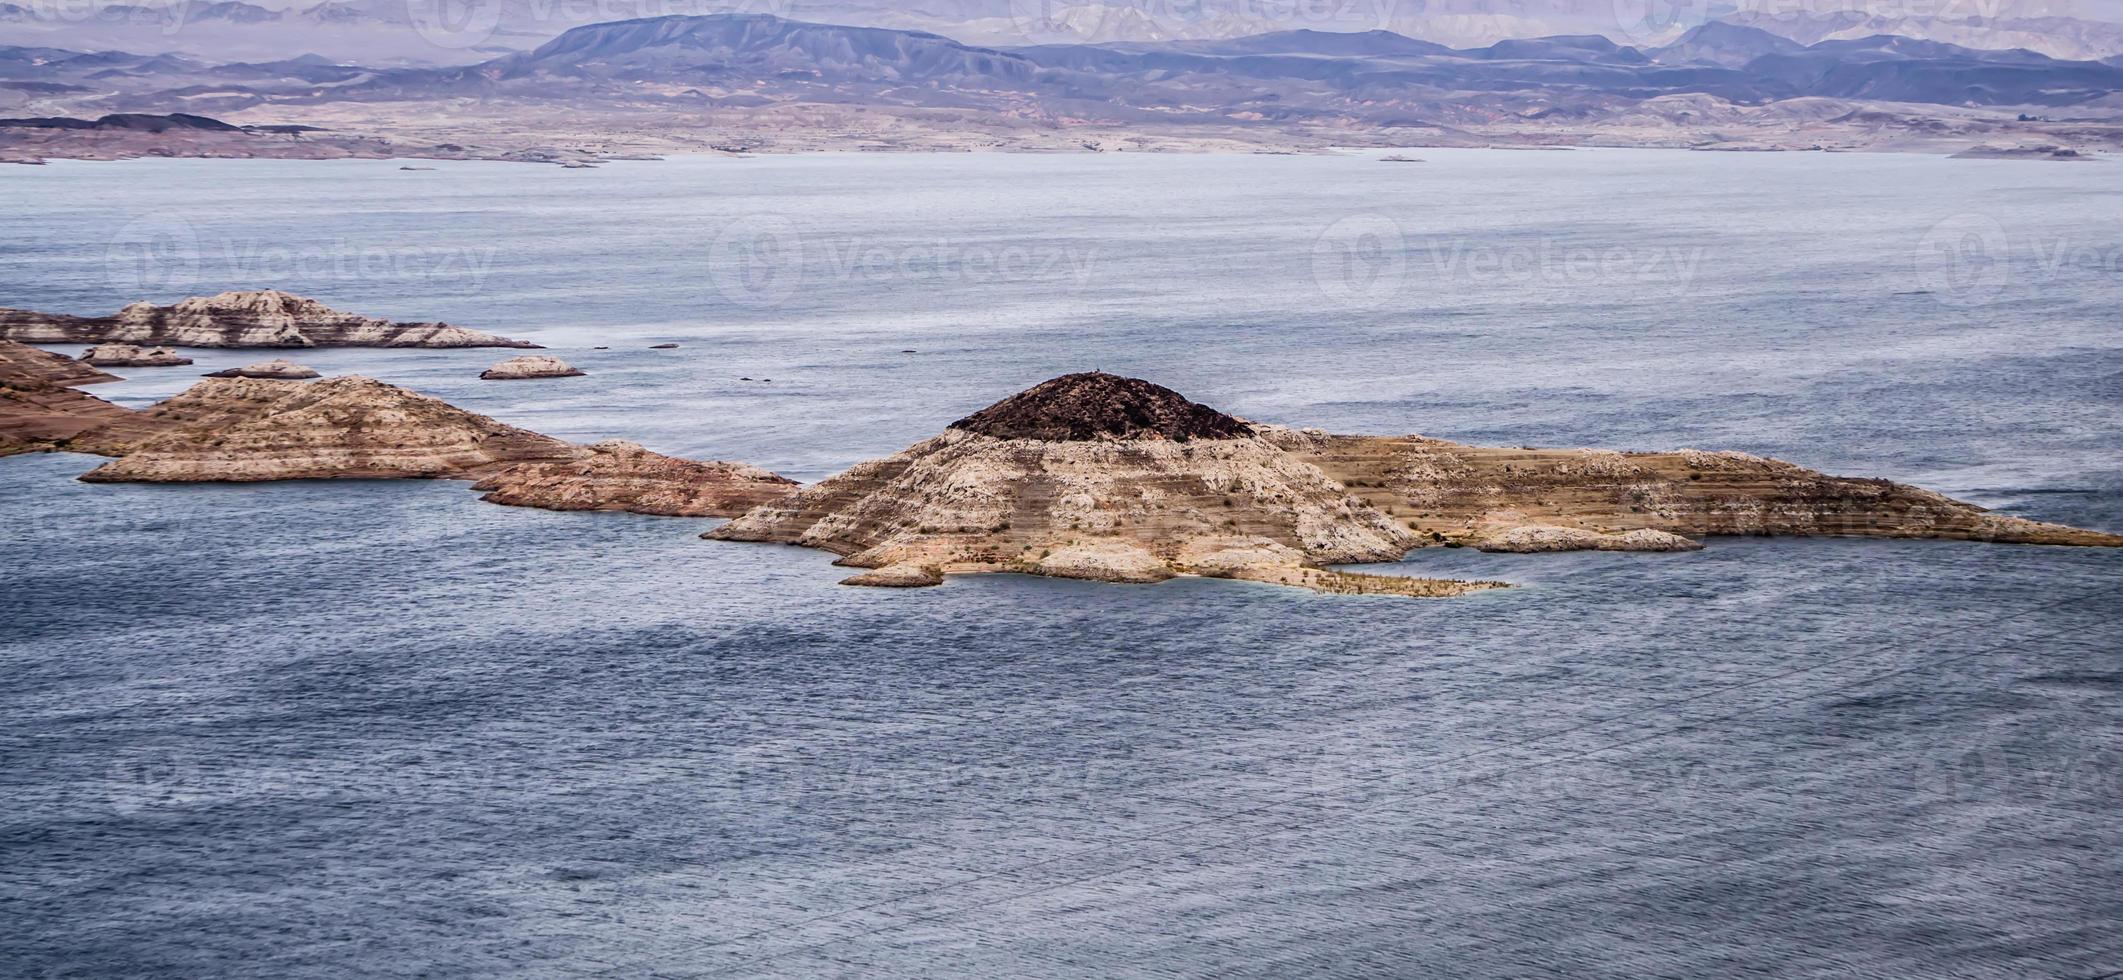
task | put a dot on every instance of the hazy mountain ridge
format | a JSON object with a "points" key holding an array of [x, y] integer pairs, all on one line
{"points": [[766, 79]]}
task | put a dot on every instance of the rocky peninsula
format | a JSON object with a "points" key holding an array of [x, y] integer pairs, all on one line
{"points": [[1116, 479], [621, 475], [40, 410], [253, 318]]}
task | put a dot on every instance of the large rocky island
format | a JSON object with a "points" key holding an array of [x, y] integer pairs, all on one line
{"points": [[252, 318], [1110, 478], [1088, 476]]}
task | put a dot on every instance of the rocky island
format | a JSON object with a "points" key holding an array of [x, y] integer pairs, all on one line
{"points": [[249, 430], [529, 366], [127, 355], [254, 318], [1117, 479], [279, 368]]}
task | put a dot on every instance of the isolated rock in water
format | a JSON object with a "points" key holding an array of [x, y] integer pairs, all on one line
{"points": [[41, 411], [1088, 476], [256, 318], [619, 475], [127, 355], [1094, 476], [1533, 538], [244, 429], [903, 576], [277, 369], [529, 366]]}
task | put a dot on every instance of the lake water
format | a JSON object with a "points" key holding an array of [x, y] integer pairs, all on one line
{"points": [[321, 729]]}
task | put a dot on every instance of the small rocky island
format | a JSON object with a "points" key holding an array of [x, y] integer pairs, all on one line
{"points": [[248, 430], [255, 318], [529, 366], [1116, 479], [278, 368], [127, 355]]}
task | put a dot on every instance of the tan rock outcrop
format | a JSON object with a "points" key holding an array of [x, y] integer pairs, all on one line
{"points": [[277, 369], [243, 429], [620, 475], [249, 318], [529, 366], [127, 355], [1504, 499], [1093, 476], [1088, 476], [41, 411]]}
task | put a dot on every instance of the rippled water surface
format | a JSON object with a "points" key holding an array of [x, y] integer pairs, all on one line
{"points": [[322, 729]]}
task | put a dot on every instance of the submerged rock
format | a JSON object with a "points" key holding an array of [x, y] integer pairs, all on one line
{"points": [[529, 366], [249, 318], [127, 355], [276, 369], [908, 575]]}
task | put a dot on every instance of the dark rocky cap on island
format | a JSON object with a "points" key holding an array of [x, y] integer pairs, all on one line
{"points": [[1094, 406]]}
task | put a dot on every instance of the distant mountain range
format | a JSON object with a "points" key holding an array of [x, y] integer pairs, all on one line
{"points": [[447, 32], [1718, 82]]}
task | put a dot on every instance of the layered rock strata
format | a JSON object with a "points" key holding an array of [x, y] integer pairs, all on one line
{"points": [[1113, 479], [1502, 499], [41, 411], [529, 366], [277, 369], [249, 318], [621, 475], [1095, 477], [127, 355], [248, 430]]}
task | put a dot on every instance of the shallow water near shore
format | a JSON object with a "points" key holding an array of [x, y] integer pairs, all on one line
{"points": [[332, 728]]}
